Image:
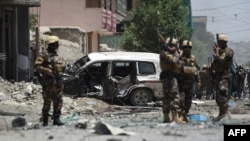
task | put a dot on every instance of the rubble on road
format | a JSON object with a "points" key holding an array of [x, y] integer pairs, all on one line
{"points": [[21, 104]]}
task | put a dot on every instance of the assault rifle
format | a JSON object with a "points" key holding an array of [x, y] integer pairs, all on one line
{"points": [[236, 64], [165, 46], [217, 38]]}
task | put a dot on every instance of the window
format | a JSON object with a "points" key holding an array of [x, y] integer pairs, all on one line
{"points": [[122, 6], [94, 68], [93, 3], [146, 68], [121, 68]]}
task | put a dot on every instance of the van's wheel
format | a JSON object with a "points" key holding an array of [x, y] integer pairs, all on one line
{"points": [[140, 97]]}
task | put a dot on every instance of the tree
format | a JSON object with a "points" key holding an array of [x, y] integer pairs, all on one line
{"points": [[32, 21], [168, 16]]}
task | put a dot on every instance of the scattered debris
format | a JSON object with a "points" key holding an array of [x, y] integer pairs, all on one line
{"points": [[170, 133], [19, 122], [4, 113], [106, 129], [82, 124], [198, 117]]}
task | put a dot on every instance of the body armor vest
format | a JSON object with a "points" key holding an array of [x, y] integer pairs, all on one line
{"points": [[224, 61], [170, 62], [189, 67]]}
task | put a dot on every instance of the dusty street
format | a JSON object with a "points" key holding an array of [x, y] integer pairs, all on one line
{"points": [[89, 119]]}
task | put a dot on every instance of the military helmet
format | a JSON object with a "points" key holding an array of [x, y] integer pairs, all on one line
{"points": [[241, 66], [186, 43], [174, 41], [222, 37], [204, 66], [51, 39]]}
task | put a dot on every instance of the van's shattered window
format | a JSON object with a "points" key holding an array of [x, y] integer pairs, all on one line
{"points": [[75, 67], [146, 68], [122, 68]]}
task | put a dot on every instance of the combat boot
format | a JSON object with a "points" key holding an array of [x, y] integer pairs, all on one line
{"points": [[176, 118], [185, 117], [57, 121], [239, 95], [223, 114], [45, 120], [181, 115], [166, 118]]}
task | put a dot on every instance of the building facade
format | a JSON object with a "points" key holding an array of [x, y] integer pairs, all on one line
{"points": [[14, 39], [100, 19], [200, 23]]}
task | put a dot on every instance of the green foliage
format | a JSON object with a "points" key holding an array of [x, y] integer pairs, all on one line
{"points": [[32, 21], [168, 16]]}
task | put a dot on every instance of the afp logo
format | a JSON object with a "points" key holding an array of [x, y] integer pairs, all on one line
{"points": [[241, 132]]}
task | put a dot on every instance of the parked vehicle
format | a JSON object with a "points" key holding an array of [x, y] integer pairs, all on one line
{"points": [[129, 77]]}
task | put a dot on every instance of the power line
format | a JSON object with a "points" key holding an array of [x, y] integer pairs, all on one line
{"points": [[221, 6], [235, 19], [243, 30], [239, 14]]}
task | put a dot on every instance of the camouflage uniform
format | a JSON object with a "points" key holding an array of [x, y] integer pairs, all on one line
{"points": [[206, 82], [187, 78], [171, 67], [240, 76], [51, 68], [223, 60], [248, 81]]}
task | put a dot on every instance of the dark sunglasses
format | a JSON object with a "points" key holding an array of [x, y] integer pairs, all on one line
{"points": [[221, 42], [186, 47]]}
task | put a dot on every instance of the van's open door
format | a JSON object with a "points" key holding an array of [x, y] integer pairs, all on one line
{"points": [[121, 75]]}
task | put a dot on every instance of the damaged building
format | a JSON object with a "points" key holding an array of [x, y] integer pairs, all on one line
{"points": [[14, 39]]}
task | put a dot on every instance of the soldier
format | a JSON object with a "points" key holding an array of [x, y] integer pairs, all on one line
{"points": [[187, 79], [205, 78], [248, 81], [171, 67], [232, 83], [240, 76], [223, 60], [51, 68]]}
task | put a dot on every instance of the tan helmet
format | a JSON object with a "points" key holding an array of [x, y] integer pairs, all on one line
{"points": [[51, 39], [174, 41], [241, 66], [186, 43], [222, 37], [204, 66]]}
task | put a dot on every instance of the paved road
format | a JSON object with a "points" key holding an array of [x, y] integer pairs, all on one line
{"points": [[144, 123]]}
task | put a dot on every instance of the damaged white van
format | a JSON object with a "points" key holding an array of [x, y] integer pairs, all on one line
{"points": [[128, 77]]}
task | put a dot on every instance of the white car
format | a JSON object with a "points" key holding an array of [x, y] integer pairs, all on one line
{"points": [[118, 76]]}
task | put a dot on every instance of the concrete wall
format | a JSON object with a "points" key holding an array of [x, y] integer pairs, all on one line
{"points": [[72, 44], [70, 13], [73, 34]]}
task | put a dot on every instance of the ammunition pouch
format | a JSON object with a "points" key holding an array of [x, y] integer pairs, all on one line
{"points": [[178, 67], [165, 66], [204, 74], [189, 70], [170, 63], [218, 67], [167, 75], [44, 80], [59, 68]]}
